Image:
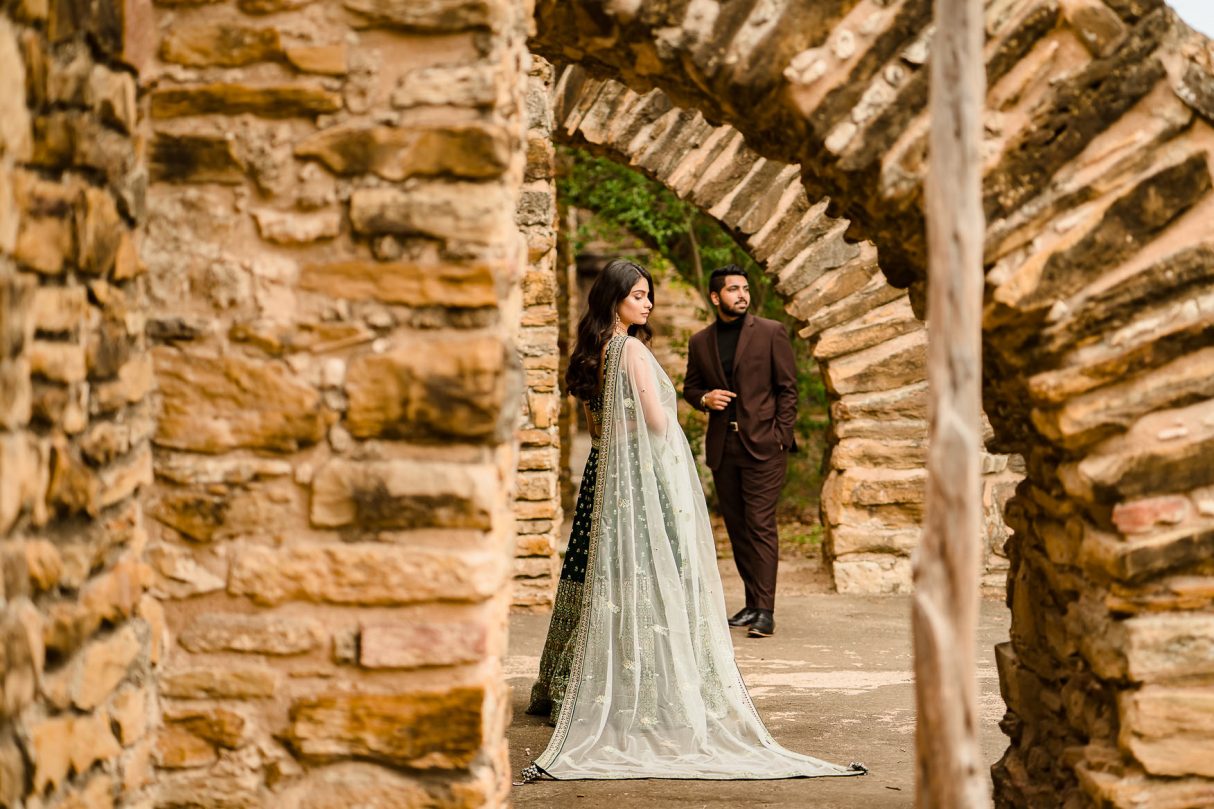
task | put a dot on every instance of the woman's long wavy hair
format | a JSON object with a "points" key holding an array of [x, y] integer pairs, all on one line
{"points": [[594, 329]]}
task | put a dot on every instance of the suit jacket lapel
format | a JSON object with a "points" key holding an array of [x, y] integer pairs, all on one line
{"points": [[715, 350]]}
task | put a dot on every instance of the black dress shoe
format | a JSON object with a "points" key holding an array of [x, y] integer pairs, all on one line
{"points": [[764, 625], [744, 617]]}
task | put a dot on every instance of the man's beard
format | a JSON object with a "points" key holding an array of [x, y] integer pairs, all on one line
{"points": [[734, 310]]}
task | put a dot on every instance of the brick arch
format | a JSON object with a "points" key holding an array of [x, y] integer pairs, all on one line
{"points": [[1097, 328], [865, 336]]}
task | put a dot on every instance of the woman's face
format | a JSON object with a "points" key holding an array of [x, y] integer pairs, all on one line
{"points": [[635, 307]]}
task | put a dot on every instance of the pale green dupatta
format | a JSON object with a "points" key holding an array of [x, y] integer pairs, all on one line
{"points": [[653, 688]]}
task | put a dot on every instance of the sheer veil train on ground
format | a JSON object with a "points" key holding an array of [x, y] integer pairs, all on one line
{"points": [[639, 671]]}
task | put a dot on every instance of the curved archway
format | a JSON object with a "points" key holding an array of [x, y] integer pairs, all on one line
{"points": [[866, 338], [1098, 329]]}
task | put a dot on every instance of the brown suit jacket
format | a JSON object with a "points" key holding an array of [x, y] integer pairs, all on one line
{"points": [[765, 379]]}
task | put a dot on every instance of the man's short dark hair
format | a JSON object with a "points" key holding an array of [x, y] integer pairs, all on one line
{"points": [[716, 281]]}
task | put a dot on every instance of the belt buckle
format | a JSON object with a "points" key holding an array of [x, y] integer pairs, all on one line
{"points": [[733, 425]]}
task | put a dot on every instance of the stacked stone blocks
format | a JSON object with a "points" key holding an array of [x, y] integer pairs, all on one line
{"points": [[1096, 326], [538, 498], [870, 346], [80, 640], [334, 275]]}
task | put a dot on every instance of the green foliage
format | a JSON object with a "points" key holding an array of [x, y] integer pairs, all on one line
{"points": [[629, 206], [628, 203]]}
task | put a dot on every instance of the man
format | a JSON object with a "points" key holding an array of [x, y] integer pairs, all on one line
{"points": [[741, 371]]}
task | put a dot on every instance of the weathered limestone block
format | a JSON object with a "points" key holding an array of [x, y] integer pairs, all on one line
{"points": [[177, 749], [897, 363], [102, 666], [1169, 449], [192, 158], [852, 539], [21, 630], [472, 285], [62, 744], [477, 152], [1149, 339], [445, 728], [538, 459], [294, 100], [1098, 26], [433, 643], [536, 486], [893, 429], [223, 45], [875, 293], [852, 453], [367, 574], [835, 282], [326, 60], [233, 681], [296, 228], [454, 85], [439, 388], [58, 362], [481, 213], [870, 573], [1169, 646], [109, 597], [220, 726], [875, 487], [1169, 730], [1128, 788], [129, 711], [99, 230], [385, 495], [59, 310], [1087, 417], [368, 786], [22, 462], [15, 132], [196, 515], [268, 634], [213, 404], [878, 325], [16, 393], [178, 575], [1143, 516]]}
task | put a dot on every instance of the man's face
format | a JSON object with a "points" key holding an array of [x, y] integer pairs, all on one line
{"points": [[733, 299]]}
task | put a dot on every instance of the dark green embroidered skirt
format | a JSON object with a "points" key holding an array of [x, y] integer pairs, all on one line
{"points": [[557, 658]]}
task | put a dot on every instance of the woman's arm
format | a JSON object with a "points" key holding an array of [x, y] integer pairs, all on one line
{"points": [[640, 372]]}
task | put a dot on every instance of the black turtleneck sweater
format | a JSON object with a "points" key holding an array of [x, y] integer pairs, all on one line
{"points": [[727, 346]]}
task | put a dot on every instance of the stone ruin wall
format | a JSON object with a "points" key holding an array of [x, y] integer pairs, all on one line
{"points": [[538, 508], [81, 642], [1100, 258], [334, 278], [1097, 329], [869, 344]]}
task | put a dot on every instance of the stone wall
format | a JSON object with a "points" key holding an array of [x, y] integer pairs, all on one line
{"points": [[1097, 327], [334, 275], [537, 504], [80, 641], [869, 345]]}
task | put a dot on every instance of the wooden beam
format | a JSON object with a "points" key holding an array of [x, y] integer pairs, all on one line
{"points": [[950, 772]]}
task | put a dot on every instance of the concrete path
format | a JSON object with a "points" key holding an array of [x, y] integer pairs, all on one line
{"points": [[835, 682]]}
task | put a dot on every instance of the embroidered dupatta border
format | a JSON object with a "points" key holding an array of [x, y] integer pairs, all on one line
{"points": [[553, 750]]}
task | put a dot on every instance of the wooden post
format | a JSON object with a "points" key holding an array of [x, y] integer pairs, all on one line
{"points": [[950, 772]]}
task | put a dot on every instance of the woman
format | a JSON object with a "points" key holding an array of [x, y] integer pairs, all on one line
{"points": [[638, 672]]}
